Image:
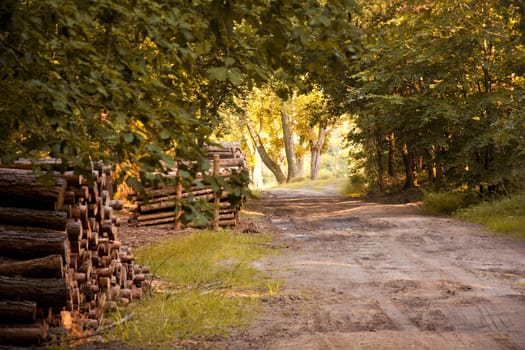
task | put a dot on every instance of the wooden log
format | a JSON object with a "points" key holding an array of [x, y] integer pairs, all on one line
{"points": [[51, 266], [110, 229], [80, 277], [74, 230], [84, 218], [157, 221], [116, 221], [29, 244], [46, 292], [93, 194], [92, 210], [21, 334], [161, 215], [75, 248], [17, 311], [73, 180], [105, 260], [105, 197], [226, 223], [122, 275], [178, 206], [81, 192], [228, 216], [157, 206], [103, 272], [104, 283], [139, 277], [93, 241], [125, 293], [233, 162], [53, 220], [116, 204], [24, 189], [69, 197], [152, 193], [216, 200], [108, 212], [136, 293], [184, 194], [28, 164]]}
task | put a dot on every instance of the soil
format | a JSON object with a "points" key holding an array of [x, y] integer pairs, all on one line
{"points": [[359, 274], [364, 275]]}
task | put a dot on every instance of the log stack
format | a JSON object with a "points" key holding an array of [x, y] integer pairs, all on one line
{"points": [[158, 204], [59, 251]]}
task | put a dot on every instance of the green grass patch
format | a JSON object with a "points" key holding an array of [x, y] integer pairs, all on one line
{"points": [[505, 216], [207, 284]]}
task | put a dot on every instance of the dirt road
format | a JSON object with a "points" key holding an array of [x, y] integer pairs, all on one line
{"points": [[360, 275]]}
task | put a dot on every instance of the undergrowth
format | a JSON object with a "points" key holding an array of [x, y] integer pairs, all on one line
{"points": [[445, 202], [505, 216], [205, 284]]}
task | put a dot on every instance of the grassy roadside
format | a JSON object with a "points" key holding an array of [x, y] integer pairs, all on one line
{"points": [[205, 284], [503, 216]]}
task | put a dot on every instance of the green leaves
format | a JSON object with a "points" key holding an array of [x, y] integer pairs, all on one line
{"points": [[438, 77]]}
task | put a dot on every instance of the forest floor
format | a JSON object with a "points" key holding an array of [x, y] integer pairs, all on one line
{"points": [[364, 275]]}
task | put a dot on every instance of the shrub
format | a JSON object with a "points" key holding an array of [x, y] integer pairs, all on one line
{"points": [[444, 202]]}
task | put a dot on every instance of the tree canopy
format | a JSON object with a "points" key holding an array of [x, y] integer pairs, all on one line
{"points": [[141, 81], [436, 88], [442, 84]]}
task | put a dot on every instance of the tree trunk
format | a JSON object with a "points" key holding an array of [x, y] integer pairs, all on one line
{"points": [[431, 165], [379, 160], [391, 154], [33, 244], [46, 292], [23, 189], [408, 163], [53, 220], [265, 157], [51, 266], [291, 158], [315, 149]]}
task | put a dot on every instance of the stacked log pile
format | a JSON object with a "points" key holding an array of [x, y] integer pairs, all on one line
{"points": [[163, 204], [59, 252]]}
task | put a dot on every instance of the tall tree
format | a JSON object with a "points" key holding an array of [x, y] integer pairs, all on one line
{"points": [[441, 75]]}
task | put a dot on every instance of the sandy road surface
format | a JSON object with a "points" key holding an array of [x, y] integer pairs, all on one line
{"points": [[361, 275]]}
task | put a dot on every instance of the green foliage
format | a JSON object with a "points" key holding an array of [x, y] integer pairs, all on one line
{"points": [[143, 81], [444, 79], [207, 285], [502, 216]]}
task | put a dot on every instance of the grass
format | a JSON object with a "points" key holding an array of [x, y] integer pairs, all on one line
{"points": [[443, 202], [506, 216], [207, 285]]}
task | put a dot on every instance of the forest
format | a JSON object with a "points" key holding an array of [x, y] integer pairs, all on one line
{"points": [[426, 92]]}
